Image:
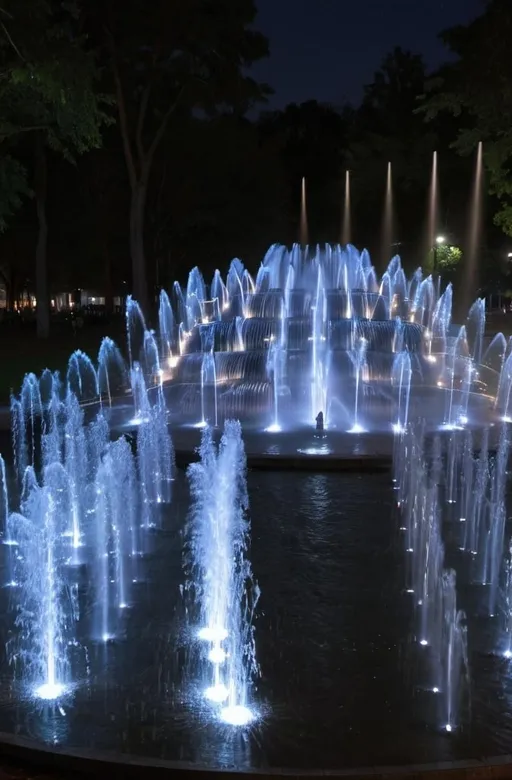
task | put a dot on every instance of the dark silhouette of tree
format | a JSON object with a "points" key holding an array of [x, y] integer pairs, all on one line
{"points": [[222, 194], [168, 60], [48, 93], [387, 129], [312, 139], [477, 90]]}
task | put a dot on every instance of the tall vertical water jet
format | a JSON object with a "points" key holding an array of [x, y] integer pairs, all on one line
{"points": [[221, 576], [304, 232], [470, 279], [45, 614], [347, 218], [115, 537], [4, 499], [388, 217], [433, 207]]}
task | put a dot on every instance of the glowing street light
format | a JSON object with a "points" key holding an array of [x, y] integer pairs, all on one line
{"points": [[440, 240]]}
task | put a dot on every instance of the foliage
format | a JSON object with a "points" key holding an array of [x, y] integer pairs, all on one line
{"points": [[444, 259], [47, 84], [477, 89], [180, 60], [13, 187], [311, 139]]}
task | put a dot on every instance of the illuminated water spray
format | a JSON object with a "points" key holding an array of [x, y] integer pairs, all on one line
{"points": [[45, 611], [346, 224], [221, 576], [304, 233]]}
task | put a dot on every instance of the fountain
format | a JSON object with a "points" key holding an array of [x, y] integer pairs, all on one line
{"points": [[93, 513], [318, 330], [347, 220], [220, 572], [45, 611], [441, 632]]}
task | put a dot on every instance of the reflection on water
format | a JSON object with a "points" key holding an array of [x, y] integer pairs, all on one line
{"points": [[333, 630]]}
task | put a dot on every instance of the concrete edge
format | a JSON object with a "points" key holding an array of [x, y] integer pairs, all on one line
{"points": [[26, 752]]}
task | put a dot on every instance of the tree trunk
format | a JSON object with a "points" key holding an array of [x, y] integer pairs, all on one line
{"points": [[40, 189], [139, 280]]}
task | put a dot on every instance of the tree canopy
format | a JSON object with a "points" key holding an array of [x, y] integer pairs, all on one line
{"points": [[477, 89], [48, 97]]}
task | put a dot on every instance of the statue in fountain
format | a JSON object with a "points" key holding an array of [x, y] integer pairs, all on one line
{"points": [[320, 422]]}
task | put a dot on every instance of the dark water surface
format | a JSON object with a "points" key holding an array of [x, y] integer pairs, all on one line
{"points": [[340, 669]]}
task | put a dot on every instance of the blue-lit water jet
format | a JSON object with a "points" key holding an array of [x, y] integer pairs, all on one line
{"points": [[221, 575]]}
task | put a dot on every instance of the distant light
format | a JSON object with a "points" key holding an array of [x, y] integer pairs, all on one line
{"points": [[423, 642], [440, 239], [397, 428], [274, 428], [435, 690], [507, 654], [173, 361], [356, 428], [509, 255], [448, 727]]}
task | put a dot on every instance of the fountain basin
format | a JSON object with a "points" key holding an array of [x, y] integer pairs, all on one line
{"points": [[332, 629]]}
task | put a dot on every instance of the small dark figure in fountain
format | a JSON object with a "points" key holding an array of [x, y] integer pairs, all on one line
{"points": [[320, 422]]}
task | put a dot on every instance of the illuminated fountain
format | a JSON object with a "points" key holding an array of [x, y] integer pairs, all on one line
{"points": [[317, 330], [440, 625], [45, 609], [220, 573]]}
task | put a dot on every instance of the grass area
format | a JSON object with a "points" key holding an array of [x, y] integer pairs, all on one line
{"points": [[21, 352]]}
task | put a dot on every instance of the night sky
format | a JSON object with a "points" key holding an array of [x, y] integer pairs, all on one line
{"points": [[328, 49]]}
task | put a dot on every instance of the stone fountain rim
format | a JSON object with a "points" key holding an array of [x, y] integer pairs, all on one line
{"points": [[109, 764]]}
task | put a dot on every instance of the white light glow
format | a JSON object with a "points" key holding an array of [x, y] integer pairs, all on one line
{"points": [[50, 691], [274, 428], [217, 693], [212, 634], [507, 654], [423, 642], [217, 655], [172, 362], [440, 239], [448, 727], [398, 428], [435, 690], [138, 421], [236, 715], [356, 428]]}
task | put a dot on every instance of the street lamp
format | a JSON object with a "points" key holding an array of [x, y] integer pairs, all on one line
{"points": [[440, 240]]}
